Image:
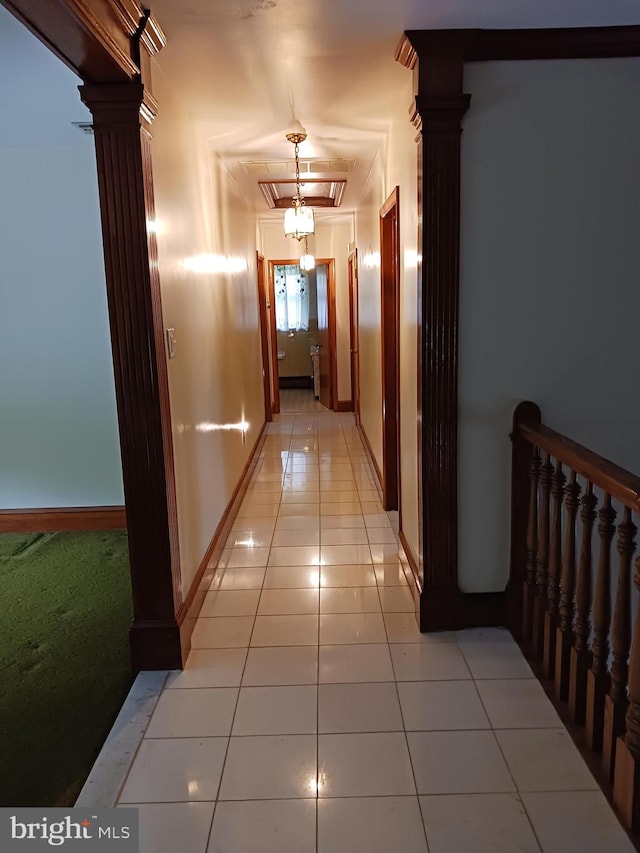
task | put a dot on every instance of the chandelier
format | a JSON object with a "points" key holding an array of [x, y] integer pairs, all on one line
{"points": [[298, 219]]}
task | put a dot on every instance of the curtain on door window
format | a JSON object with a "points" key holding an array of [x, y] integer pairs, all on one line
{"points": [[292, 299]]}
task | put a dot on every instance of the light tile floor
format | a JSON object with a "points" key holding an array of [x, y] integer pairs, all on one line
{"points": [[313, 717]]}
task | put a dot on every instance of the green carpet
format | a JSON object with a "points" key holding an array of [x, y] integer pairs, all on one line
{"points": [[65, 609]]}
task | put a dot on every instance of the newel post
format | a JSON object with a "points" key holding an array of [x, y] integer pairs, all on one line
{"points": [[521, 586]]}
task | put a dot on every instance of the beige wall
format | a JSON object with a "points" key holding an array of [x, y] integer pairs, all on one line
{"points": [[396, 165], [215, 378], [332, 238]]}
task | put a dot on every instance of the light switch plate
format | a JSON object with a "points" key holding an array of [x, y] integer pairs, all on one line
{"points": [[171, 343]]}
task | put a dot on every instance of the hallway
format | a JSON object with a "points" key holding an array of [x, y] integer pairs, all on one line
{"points": [[312, 714]]}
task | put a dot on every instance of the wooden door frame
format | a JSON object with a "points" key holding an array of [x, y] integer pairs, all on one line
{"points": [[331, 309], [390, 317], [264, 339], [354, 333]]}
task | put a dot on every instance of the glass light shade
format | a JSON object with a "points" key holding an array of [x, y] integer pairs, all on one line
{"points": [[299, 222], [307, 262]]}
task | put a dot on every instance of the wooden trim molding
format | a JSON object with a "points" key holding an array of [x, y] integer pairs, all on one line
{"points": [[59, 519], [192, 604], [98, 39], [372, 458], [122, 115], [263, 320], [344, 406]]}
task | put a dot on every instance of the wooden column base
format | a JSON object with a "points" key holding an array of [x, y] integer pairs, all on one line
{"points": [[528, 601], [597, 689], [549, 645], [564, 644], [156, 645], [579, 663], [515, 599], [626, 786], [441, 610], [614, 715]]}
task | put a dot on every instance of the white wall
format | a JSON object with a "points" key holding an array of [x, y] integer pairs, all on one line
{"points": [[549, 290], [331, 240], [58, 426], [395, 165], [216, 377]]}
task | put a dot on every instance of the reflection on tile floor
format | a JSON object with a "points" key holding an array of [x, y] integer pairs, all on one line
{"points": [[313, 716]]}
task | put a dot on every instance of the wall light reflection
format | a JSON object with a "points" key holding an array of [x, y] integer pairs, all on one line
{"points": [[205, 263], [206, 426], [371, 260]]}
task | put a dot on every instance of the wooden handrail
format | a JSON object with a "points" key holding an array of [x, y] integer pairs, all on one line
{"points": [[611, 478]]}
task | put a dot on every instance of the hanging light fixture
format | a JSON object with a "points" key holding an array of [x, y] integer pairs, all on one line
{"points": [[307, 260], [298, 219]]}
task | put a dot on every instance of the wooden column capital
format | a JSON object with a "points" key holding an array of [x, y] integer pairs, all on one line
{"points": [[444, 114], [119, 106]]}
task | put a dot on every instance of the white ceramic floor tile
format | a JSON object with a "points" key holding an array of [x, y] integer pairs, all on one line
{"points": [[264, 826], [362, 599], [477, 823], [382, 535], [270, 768], [341, 508], [337, 522], [240, 602], [297, 508], [308, 536], [300, 555], [544, 760], [495, 660], [358, 708], [342, 664], [576, 822], [384, 552], [341, 576], [209, 668], [167, 827], [228, 579], [250, 538], [295, 498], [370, 825], [332, 497], [397, 599], [177, 770], [344, 536], [458, 763], [352, 628], [292, 577], [343, 555], [428, 662], [390, 575], [403, 628], [222, 632], [377, 519], [517, 704], [298, 522], [281, 665], [441, 705], [280, 602], [285, 631], [276, 711], [203, 712], [364, 765]]}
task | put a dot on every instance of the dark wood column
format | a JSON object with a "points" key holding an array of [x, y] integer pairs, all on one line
{"points": [[437, 113], [122, 115]]}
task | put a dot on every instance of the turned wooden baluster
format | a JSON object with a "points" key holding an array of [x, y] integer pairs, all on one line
{"points": [[528, 592], [540, 604], [564, 633], [553, 582], [626, 785], [581, 653], [598, 676], [615, 703]]}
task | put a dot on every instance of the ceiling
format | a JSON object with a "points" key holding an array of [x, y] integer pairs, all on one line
{"points": [[242, 66]]}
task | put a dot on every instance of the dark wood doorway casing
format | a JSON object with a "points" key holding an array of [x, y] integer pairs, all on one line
{"points": [[354, 340], [331, 289], [109, 46], [264, 338], [390, 313]]}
